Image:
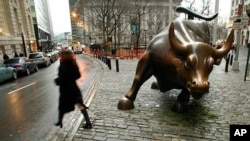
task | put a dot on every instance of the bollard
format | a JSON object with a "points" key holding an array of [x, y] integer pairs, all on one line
{"points": [[231, 59], [105, 60], [109, 63], [102, 58], [117, 65], [227, 62]]}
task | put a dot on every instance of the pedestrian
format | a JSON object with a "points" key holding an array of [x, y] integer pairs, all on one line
{"points": [[113, 52], [70, 94], [5, 57], [16, 55]]}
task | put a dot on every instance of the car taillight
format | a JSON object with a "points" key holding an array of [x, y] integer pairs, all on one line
{"points": [[18, 66]]}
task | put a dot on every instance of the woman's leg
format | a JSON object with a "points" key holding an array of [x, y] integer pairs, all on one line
{"points": [[83, 108], [60, 119]]}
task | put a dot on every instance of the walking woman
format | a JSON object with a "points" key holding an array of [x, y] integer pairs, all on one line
{"points": [[70, 94]]}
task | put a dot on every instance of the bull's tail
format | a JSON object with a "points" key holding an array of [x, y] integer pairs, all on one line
{"points": [[191, 13]]}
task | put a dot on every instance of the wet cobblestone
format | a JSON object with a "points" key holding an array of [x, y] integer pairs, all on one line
{"points": [[228, 102]]}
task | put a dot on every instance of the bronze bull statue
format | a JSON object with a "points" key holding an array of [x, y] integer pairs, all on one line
{"points": [[180, 57]]}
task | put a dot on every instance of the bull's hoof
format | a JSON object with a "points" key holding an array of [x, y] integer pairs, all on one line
{"points": [[125, 104], [154, 85], [180, 107]]}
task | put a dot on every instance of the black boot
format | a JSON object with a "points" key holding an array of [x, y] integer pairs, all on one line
{"points": [[85, 107], [88, 124], [60, 118]]}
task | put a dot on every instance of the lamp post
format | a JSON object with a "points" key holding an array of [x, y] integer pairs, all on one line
{"points": [[248, 44], [238, 21], [24, 46], [145, 43]]}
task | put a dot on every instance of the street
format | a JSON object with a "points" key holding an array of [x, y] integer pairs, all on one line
{"points": [[29, 104]]}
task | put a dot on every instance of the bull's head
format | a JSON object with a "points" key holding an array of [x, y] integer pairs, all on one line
{"points": [[196, 62]]}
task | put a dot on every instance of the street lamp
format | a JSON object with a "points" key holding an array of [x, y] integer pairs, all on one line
{"points": [[24, 46], [248, 44], [145, 38]]}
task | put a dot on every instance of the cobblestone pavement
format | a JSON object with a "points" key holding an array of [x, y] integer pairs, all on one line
{"points": [[228, 102]]}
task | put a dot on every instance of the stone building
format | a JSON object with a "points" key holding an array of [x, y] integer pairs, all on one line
{"points": [[240, 21], [140, 19], [16, 27]]}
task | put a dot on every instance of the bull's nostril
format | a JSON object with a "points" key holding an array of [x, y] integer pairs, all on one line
{"points": [[188, 85], [206, 83], [194, 83]]}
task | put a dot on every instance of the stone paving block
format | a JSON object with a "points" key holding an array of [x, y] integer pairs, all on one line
{"points": [[98, 138], [152, 119]]}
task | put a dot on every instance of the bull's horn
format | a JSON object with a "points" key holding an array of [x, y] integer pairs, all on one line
{"points": [[174, 42], [218, 53], [181, 9]]}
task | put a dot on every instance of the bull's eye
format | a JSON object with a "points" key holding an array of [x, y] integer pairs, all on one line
{"points": [[190, 62], [210, 62]]}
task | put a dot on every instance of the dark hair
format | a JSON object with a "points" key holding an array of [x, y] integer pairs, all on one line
{"points": [[67, 55]]}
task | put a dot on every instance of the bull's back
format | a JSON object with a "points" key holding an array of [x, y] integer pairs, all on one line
{"points": [[186, 31]]}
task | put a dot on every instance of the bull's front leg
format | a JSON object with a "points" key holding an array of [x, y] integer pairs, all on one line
{"points": [[181, 104], [143, 73]]}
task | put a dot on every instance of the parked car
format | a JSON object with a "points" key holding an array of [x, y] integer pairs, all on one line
{"points": [[52, 56], [22, 65], [7, 73], [40, 58]]}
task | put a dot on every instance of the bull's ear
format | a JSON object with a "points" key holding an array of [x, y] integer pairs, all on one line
{"points": [[176, 45], [218, 53]]}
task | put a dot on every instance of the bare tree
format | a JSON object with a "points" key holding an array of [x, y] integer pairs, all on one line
{"points": [[156, 19], [118, 13], [105, 15], [221, 30], [139, 9], [191, 4], [202, 7]]}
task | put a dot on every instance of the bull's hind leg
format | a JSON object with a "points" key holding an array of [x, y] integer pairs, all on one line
{"points": [[181, 104], [143, 73]]}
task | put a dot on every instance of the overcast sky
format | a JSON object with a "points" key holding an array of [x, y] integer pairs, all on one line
{"points": [[60, 16]]}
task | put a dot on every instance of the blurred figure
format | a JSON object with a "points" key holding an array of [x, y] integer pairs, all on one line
{"points": [[70, 94], [16, 55], [5, 57]]}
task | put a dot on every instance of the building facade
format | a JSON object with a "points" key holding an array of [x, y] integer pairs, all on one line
{"points": [[140, 19], [16, 28], [240, 21], [42, 24]]}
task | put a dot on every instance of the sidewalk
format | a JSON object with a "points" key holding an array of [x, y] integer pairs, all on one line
{"points": [[152, 119]]}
